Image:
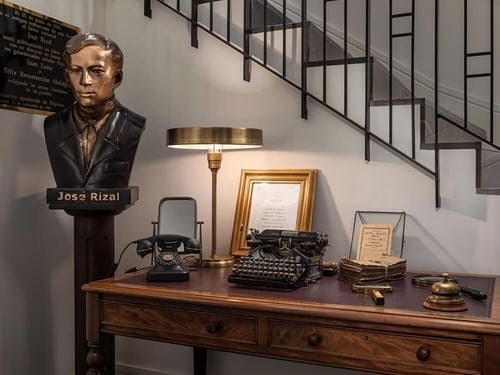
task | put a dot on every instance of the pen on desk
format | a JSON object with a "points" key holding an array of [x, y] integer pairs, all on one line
{"points": [[473, 293], [467, 290]]}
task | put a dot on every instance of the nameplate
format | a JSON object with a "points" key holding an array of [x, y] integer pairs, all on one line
{"points": [[92, 199]]}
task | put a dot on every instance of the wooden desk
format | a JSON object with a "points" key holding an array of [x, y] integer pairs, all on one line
{"points": [[323, 323]]}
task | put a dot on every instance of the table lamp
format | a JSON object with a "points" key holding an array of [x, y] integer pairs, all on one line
{"points": [[215, 140]]}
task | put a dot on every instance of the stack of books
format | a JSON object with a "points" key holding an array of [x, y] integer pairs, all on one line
{"points": [[382, 268]]}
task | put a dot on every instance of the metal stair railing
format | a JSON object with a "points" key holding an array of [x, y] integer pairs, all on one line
{"points": [[489, 74], [304, 47], [248, 59], [274, 20], [392, 17], [466, 56]]}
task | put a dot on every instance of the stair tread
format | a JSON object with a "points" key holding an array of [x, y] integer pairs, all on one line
{"points": [[273, 17], [271, 28], [340, 61], [488, 191], [333, 50], [404, 101]]}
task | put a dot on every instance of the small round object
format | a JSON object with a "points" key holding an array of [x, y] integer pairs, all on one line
{"points": [[214, 327], [314, 339], [423, 353]]}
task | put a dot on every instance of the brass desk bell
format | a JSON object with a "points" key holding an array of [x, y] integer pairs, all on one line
{"points": [[445, 296]]}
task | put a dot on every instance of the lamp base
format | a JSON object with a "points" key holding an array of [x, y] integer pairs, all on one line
{"points": [[216, 261]]}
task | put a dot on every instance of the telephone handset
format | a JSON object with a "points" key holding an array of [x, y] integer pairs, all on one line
{"points": [[167, 260]]}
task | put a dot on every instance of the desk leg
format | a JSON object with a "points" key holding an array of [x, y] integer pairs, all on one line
{"points": [[95, 359], [199, 360]]}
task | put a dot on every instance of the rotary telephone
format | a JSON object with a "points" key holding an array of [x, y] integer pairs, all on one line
{"points": [[167, 261]]}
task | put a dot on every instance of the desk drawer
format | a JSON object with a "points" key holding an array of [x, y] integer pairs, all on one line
{"points": [[168, 322], [311, 341]]}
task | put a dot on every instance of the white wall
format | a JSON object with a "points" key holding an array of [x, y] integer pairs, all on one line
{"points": [[174, 85], [36, 260]]}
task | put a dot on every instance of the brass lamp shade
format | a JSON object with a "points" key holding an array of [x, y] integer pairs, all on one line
{"points": [[204, 138], [214, 140]]}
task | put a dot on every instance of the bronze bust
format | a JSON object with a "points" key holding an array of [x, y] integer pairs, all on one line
{"points": [[92, 143]]}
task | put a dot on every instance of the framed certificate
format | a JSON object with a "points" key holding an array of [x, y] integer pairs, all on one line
{"points": [[375, 240], [272, 199]]}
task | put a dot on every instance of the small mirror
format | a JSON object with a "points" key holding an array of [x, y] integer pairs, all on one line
{"points": [[177, 215]]}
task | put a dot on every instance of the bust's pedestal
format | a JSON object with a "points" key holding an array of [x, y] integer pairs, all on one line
{"points": [[94, 245]]}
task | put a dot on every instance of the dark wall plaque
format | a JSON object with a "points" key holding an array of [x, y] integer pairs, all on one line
{"points": [[31, 60]]}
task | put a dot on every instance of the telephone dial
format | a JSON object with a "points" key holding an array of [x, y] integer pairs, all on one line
{"points": [[167, 261]]}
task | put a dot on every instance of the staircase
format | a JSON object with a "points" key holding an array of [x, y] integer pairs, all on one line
{"points": [[323, 61]]}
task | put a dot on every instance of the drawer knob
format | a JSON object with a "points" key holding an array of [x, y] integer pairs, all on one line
{"points": [[314, 339], [214, 327], [423, 353]]}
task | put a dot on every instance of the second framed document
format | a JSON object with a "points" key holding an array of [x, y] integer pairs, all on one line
{"points": [[272, 199]]}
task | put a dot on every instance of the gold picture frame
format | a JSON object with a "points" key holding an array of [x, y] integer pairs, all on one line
{"points": [[272, 199]]}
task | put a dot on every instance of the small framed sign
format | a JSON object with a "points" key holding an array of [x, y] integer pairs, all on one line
{"points": [[375, 240]]}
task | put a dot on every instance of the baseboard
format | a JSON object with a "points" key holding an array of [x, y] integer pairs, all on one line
{"points": [[122, 369]]}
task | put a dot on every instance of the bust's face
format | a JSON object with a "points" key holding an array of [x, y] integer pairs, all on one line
{"points": [[92, 76]]}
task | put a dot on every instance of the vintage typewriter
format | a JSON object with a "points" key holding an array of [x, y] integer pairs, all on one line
{"points": [[280, 259]]}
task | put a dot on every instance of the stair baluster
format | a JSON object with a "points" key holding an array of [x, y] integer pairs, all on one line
{"points": [[324, 51], [346, 86], [194, 23], [368, 77], [304, 59], [148, 12], [247, 20], [283, 70], [436, 103], [228, 24], [265, 33]]}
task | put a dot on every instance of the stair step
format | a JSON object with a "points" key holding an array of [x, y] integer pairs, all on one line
{"points": [[315, 43], [450, 129], [489, 169], [386, 102], [488, 191], [380, 84], [274, 18], [460, 146], [450, 137], [278, 27], [351, 60], [401, 15]]}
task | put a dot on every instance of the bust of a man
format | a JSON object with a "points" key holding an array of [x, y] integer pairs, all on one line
{"points": [[92, 143]]}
